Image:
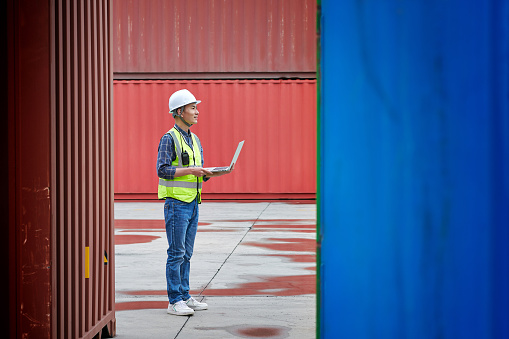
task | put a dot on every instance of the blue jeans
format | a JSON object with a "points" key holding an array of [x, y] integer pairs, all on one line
{"points": [[181, 220]]}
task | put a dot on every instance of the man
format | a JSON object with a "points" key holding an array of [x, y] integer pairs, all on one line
{"points": [[181, 174]]}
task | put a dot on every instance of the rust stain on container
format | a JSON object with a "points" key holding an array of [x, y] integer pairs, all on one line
{"points": [[277, 118], [193, 38]]}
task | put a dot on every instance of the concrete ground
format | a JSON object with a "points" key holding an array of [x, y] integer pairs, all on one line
{"points": [[253, 263]]}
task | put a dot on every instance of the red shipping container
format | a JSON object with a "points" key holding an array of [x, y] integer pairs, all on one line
{"points": [[60, 143], [277, 118], [163, 39]]}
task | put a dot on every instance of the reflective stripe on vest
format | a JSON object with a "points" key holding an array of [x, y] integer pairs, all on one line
{"points": [[184, 184], [187, 187]]}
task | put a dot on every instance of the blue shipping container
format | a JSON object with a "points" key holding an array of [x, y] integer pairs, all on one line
{"points": [[414, 176]]}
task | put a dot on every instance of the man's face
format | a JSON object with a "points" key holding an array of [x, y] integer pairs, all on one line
{"points": [[190, 114]]}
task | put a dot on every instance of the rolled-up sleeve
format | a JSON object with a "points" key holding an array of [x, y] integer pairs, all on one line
{"points": [[165, 156]]}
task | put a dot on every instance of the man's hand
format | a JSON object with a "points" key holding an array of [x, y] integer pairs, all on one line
{"points": [[196, 171], [200, 172]]}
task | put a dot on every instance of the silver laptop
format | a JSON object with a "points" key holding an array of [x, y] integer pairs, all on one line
{"points": [[234, 160]]}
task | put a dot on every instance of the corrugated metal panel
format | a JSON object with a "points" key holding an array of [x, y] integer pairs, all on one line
{"points": [[276, 118], [414, 182], [84, 196], [233, 36], [61, 143]]}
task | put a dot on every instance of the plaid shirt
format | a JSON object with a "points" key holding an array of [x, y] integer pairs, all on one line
{"points": [[166, 154]]}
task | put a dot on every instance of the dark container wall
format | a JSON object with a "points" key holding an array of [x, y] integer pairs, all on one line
{"points": [[31, 119], [60, 169], [196, 39], [7, 181]]}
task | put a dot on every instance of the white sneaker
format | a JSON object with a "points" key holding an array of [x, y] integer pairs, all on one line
{"points": [[195, 304], [179, 308]]}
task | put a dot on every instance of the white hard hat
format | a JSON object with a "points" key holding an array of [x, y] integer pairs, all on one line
{"points": [[181, 98]]}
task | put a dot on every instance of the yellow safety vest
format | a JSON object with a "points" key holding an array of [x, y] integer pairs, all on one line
{"points": [[183, 188]]}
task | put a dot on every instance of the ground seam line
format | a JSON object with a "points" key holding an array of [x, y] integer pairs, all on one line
{"points": [[183, 325], [224, 262], [229, 255]]}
